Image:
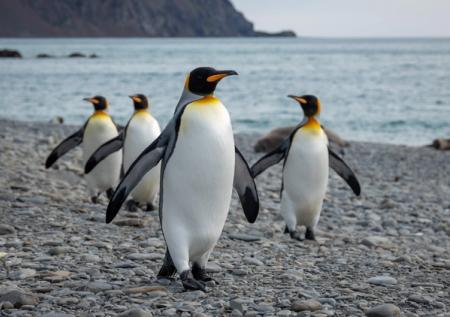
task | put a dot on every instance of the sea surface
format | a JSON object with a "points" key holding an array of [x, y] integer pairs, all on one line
{"points": [[380, 90]]}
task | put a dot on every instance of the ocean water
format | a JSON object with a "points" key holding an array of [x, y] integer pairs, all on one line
{"points": [[380, 90]]}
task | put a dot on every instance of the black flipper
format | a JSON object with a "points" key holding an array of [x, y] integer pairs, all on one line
{"points": [[344, 171], [148, 159], [65, 146], [104, 151], [271, 158], [245, 187]]}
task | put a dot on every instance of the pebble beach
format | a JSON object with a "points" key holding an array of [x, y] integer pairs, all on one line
{"points": [[385, 253]]}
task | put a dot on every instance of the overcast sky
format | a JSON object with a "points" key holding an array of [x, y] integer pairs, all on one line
{"points": [[352, 18]]}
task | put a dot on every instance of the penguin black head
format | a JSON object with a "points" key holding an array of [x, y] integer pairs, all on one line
{"points": [[203, 80], [99, 102], [139, 101], [310, 104]]}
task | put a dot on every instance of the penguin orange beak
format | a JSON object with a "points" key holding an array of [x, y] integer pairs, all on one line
{"points": [[298, 99], [91, 100], [136, 99], [219, 75]]}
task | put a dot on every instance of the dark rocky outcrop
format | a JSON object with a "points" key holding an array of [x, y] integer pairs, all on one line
{"points": [[112, 18], [10, 54], [275, 34]]}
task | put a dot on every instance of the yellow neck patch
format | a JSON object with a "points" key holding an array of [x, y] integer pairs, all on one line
{"points": [[207, 100], [312, 126], [100, 114]]}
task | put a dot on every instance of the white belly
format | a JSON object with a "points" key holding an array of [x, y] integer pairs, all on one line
{"points": [[105, 175], [198, 181], [305, 176], [142, 130]]}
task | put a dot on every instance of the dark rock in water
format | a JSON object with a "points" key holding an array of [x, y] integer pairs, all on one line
{"points": [[19, 298], [77, 55], [441, 144], [10, 54], [93, 56], [274, 138], [286, 33], [44, 55]]}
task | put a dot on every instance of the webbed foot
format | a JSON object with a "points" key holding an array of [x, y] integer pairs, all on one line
{"points": [[190, 283]]}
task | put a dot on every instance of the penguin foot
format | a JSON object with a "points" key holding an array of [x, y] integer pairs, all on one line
{"points": [[109, 193], [309, 234], [150, 207], [132, 205], [190, 283], [201, 275], [296, 235]]}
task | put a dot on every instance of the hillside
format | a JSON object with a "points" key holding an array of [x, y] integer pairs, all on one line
{"points": [[115, 18]]}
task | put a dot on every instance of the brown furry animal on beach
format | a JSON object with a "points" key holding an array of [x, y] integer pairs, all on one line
{"points": [[271, 140]]}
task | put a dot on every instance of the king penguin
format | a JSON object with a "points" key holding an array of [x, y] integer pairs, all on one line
{"points": [[200, 165], [307, 159], [98, 129], [141, 130]]}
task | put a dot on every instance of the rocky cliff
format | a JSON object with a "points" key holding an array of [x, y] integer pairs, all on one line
{"points": [[119, 18]]}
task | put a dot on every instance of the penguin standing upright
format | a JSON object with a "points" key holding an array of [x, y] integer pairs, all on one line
{"points": [[200, 164], [141, 130], [98, 129], [305, 171]]}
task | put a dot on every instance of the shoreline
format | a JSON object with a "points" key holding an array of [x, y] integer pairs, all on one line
{"points": [[62, 255]]}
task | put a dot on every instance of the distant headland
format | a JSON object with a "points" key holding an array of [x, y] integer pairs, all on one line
{"points": [[134, 18]]}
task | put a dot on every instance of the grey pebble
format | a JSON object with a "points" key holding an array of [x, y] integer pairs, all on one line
{"points": [[136, 312], [384, 310], [6, 229], [382, 280]]}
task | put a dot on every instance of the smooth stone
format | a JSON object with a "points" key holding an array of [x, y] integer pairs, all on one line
{"points": [[244, 237], [284, 313], [236, 305], [253, 261], [306, 305], [145, 289], [6, 229], [98, 286], [131, 222], [236, 313], [90, 258], [58, 251], [384, 310], [382, 280], [57, 314], [144, 256], [136, 312], [213, 267], [420, 299], [22, 274], [376, 241], [19, 298]]}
